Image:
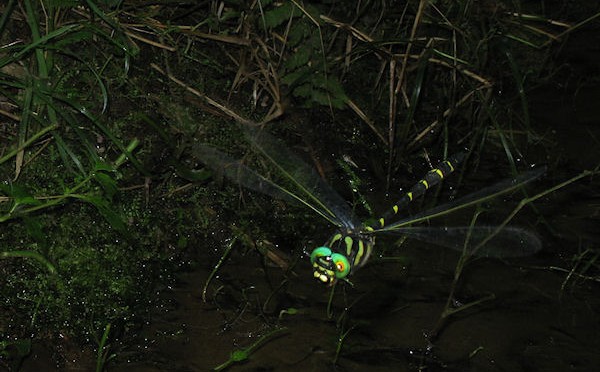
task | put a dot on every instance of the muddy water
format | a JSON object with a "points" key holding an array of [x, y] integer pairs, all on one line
{"points": [[527, 322]]}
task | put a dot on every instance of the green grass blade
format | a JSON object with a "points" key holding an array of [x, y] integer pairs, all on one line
{"points": [[104, 208], [27, 143], [33, 255], [5, 17]]}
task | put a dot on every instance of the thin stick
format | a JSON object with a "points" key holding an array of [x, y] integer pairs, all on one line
{"points": [[217, 267]]}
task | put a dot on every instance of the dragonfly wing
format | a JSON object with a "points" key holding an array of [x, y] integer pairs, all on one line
{"points": [[481, 241], [480, 196], [238, 172], [304, 177]]}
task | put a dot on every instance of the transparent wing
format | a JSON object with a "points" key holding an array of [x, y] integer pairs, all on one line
{"points": [[309, 189], [482, 195], [238, 172], [304, 177], [481, 241]]}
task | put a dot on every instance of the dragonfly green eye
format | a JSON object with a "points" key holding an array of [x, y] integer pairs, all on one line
{"points": [[329, 266], [321, 252], [342, 266]]}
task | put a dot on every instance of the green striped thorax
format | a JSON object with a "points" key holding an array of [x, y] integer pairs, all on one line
{"points": [[344, 252]]}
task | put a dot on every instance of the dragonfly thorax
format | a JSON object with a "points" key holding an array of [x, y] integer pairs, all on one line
{"points": [[344, 252]]}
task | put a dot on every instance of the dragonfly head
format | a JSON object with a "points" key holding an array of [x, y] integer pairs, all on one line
{"points": [[328, 266]]}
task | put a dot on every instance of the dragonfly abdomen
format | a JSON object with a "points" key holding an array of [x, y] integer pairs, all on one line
{"points": [[432, 178]]}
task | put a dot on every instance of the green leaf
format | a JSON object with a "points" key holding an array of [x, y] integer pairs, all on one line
{"points": [[239, 355], [321, 97], [299, 32], [29, 254], [34, 229], [65, 3], [108, 184], [73, 38], [299, 58], [279, 15], [304, 90], [37, 43], [19, 194], [112, 217], [296, 77], [336, 91], [103, 167]]}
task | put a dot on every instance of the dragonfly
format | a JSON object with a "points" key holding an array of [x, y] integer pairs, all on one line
{"points": [[351, 245]]}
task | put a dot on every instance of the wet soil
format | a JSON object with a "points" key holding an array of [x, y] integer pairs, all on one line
{"points": [[529, 322]]}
